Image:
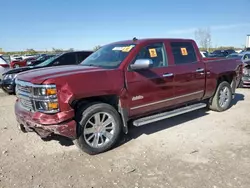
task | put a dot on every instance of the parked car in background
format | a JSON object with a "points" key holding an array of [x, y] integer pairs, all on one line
{"points": [[244, 56], [128, 81], [20, 63], [29, 56], [245, 83], [69, 58], [39, 60], [204, 53], [16, 57], [239, 51], [221, 53], [6, 58], [4, 66]]}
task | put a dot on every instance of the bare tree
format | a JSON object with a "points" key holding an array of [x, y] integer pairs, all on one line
{"points": [[96, 47], [55, 50], [31, 51], [203, 38]]}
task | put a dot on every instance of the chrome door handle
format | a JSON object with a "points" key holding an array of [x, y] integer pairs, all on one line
{"points": [[199, 70], [168, 75]]}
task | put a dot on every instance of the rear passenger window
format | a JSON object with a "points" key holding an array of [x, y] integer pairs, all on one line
{"points": [[183, 52]]}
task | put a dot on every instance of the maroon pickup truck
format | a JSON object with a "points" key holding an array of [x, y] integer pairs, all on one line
{"points": [[139, 81]]}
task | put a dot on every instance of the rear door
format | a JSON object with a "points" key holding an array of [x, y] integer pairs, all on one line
{"points": [[189, 78], [150, 89]]}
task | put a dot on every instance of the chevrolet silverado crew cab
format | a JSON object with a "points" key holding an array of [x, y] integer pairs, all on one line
{"points": [[139, 81]]}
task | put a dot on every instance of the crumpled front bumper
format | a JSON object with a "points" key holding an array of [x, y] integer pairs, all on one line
{"points": [[27, 122]]}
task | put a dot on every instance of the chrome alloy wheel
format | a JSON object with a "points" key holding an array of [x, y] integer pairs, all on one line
{"points": [[99, 129], [224, 97]]}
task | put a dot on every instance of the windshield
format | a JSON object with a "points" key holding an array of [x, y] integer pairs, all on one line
{"points": [[110, 56], [47, 62]]}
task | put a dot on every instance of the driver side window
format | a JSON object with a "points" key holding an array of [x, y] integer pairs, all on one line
{"points": [[155, 52]]}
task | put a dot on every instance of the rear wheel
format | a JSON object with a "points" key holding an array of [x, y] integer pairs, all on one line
{"points": [[222, 98], [99, 128]]}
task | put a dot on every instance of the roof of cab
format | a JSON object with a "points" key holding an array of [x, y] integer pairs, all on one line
{"points": [[145, 40]]}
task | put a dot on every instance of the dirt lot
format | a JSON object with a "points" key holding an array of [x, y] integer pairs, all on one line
{"points": [[195, 150]]}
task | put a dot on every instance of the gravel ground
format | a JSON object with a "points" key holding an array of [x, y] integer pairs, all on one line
{"points": [[195, 150]]}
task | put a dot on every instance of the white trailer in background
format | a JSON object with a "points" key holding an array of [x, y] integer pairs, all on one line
{"points": [[248, 41]]}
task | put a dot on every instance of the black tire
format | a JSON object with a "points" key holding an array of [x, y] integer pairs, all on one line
{"points": [[214, 103], [84, 114]]}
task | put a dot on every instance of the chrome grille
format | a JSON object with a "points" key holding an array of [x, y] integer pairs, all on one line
{"points": [[24, 92]]}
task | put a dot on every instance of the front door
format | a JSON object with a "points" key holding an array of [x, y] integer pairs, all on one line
{"points": [[148, 89]]}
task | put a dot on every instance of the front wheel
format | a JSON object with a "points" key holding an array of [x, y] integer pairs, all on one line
{"points": [[99, 128], [222, 98]]}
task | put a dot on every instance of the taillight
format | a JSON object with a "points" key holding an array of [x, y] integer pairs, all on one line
{"points": [[4, 65]]}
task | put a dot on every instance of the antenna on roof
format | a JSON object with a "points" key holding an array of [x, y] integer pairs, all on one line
{"points": [[135, 39]]}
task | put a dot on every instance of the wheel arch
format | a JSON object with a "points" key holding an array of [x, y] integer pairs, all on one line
{"points": [[229, 77], [113, 100]]}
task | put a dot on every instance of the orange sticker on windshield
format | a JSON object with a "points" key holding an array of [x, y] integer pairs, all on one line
{"points": [[152, 52], [127, 48], [184, 51]]}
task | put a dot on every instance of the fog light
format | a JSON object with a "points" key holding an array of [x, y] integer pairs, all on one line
{"points": [[52, 105]]}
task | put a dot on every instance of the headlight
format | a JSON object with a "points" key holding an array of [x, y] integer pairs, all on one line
{"points": [[45, 99], [43, 91]]}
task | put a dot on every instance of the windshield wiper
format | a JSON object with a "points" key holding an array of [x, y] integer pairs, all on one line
{"points": [[91, 65]]}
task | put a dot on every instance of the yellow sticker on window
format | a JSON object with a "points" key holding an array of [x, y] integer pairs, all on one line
{"points": [[184, 51], [127, 48], [152, 52]]}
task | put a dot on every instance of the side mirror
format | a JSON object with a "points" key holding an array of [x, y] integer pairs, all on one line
{"points": [[141, 64]]}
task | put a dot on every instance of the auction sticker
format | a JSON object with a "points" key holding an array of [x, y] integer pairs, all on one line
{"points": [[184, 51], [127, 48], [118, 48], [152, 52]]}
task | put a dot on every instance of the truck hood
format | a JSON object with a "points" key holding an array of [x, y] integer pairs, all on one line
{"points": [[42, 74]]}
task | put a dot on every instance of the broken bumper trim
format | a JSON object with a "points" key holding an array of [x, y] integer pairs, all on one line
{"points": [[24, 118], [67, 129]]}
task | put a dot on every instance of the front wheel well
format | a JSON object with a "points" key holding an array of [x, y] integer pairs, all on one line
{"points": [[230, 78], [109, 99], [112, 100]]}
